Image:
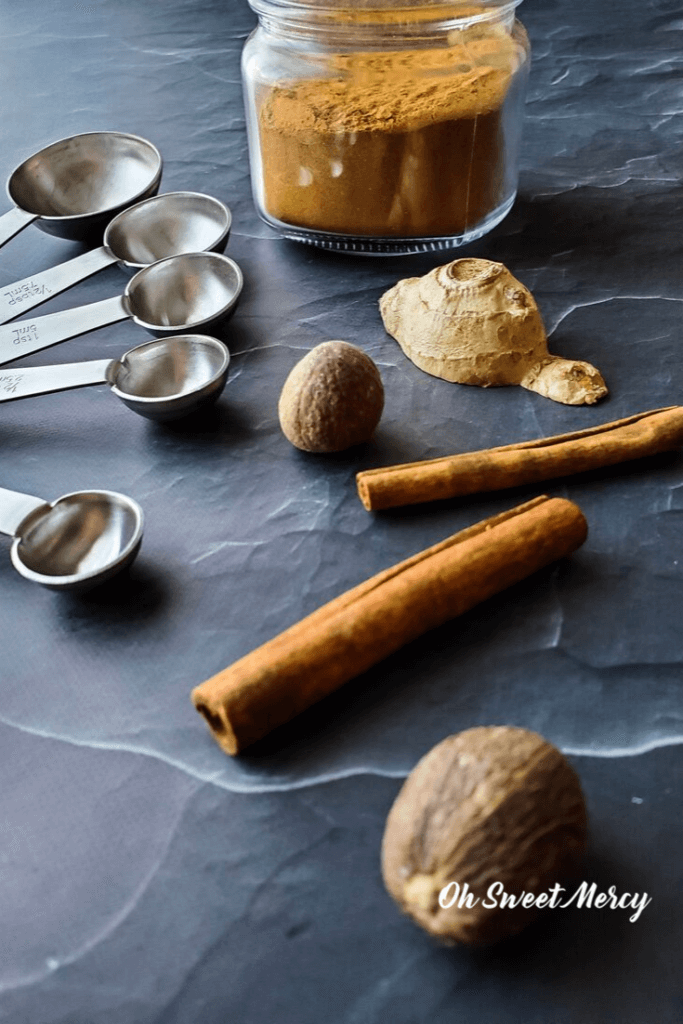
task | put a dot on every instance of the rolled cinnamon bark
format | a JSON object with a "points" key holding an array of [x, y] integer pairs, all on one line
{"points": [[311, 659], [493, 469]]}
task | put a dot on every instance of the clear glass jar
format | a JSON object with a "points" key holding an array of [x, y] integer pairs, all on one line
{"points": [[381, 126]]}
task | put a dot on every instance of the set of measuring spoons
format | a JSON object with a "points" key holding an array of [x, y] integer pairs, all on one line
{"points": [[183, 285]]}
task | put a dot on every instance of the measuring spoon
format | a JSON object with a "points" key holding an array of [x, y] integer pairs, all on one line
{"points": [[75, 186], [178, 294], [75, 542], [166, 225], [162, 379]]}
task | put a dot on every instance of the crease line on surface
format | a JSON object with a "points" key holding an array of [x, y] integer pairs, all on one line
{"points": [[53, 964], [610, 298], [262, 786]]}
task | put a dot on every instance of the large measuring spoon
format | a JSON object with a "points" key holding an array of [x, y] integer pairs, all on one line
{"points": [[75, 186], [162, 379], [75, 542], [166, 225], [175, 295]]}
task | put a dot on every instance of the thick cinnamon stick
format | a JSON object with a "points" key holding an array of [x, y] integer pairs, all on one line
{"points": [[494, 469], [345, 637]]}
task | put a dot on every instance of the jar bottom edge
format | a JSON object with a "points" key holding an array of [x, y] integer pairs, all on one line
{"points": [[359, 245]]}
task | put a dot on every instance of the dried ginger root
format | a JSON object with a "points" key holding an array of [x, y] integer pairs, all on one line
{"points": [[472, 322]]}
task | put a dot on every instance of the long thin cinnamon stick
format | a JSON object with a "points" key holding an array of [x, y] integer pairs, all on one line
{"points": [[493, 469], [345, 637]]}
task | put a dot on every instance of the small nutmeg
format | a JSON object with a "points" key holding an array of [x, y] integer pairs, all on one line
{"points": [[332, 399], [495, 806]]}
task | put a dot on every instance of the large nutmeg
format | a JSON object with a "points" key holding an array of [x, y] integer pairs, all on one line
{"points": [[496, 810], [332, 399]]}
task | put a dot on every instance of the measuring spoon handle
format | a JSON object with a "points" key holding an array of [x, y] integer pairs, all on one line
{"points": [[14, 221], [18, 298], [27, 381], [14, 507], [27, 336]]}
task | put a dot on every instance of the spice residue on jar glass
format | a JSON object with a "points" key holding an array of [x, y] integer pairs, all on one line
{"points": [[385, 128]]}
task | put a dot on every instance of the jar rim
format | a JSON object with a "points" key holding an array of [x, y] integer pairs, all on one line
{"points": [[470, 11]]}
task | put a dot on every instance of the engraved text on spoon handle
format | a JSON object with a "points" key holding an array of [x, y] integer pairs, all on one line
{"points": [[27, 381], [18, 298], [26, 336]]}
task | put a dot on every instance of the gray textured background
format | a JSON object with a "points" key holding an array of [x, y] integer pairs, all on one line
{"points": [[145, 878]]}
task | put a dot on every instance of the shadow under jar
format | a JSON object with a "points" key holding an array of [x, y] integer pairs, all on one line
{"points": [[385, 127]]}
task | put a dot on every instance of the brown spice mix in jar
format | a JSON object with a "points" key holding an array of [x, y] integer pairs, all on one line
{"points": [[397, 143]]}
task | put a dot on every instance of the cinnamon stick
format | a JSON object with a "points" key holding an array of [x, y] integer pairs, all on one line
{"points": [[493, 469], [343, 638]]}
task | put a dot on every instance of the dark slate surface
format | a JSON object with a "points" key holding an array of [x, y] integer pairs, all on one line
{"points": [[145, 877]]}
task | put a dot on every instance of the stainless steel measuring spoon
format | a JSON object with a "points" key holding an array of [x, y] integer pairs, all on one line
{"points": [[75, 542], [75, 186], [166, 225], [175, 295], [162, 379]]}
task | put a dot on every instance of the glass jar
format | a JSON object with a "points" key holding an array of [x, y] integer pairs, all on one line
{"points": [[381, 126]]}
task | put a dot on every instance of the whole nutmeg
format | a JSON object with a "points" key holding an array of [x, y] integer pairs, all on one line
{"points": [[332, 399], [496, 810]]}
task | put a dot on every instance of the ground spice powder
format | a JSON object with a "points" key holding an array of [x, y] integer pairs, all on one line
{"points": [[404, 143]]}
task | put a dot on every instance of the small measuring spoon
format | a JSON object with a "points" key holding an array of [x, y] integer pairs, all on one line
{"points": [[166, 225], [75, 542], [162, 379], [75, 186], [175, 295]]}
